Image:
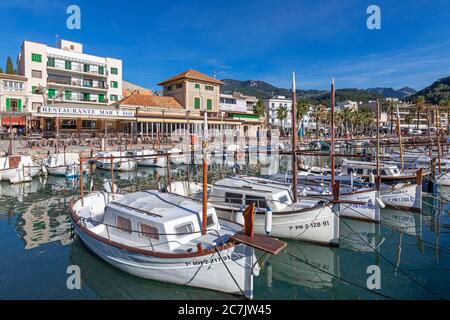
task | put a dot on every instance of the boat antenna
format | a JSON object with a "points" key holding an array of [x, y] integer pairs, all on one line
{"points": [[205, 174], [294, 140], [399, 132], [438, 134], [378, 146], [332, 133], [10, 147]]}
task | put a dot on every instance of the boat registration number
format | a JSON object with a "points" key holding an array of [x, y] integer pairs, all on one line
{"points": [[312, 225]]}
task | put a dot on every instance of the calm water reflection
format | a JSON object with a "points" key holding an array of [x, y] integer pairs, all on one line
{"points": [[37, 245]]}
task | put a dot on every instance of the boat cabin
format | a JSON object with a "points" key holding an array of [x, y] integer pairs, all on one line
{"points": [[167, 222], [241, 192], [362, 168]]}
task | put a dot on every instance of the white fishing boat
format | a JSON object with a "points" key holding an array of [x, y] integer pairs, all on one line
{"points": [[13, 167], [307, 220], [116, 158], [443, 179], [158, 236], [147, 158], [64, 164], [178, 157], [366, 170], [358, 203]]}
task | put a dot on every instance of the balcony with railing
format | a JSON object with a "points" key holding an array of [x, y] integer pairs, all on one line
{"points": [[78, 69], [79, 83]]}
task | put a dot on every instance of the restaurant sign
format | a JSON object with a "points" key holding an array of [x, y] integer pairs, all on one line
{"points": [[86, 112]]}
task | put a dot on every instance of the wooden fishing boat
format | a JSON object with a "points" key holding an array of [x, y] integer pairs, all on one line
{"points": [[159, 236], [147, 158], [64, 164], [116, 159], [359, 203], [307, 220], [389, 173]]}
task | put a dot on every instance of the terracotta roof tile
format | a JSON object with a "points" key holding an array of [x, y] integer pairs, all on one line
{"points": [[143, 100], [192, 75]]}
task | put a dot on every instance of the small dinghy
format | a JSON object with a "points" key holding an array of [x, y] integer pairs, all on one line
{"points": [[116, 159], [164, 237]]}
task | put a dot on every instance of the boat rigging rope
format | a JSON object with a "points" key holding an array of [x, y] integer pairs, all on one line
{"points": [[232, 277], [390, 262], [339, 278], [401, 230]]}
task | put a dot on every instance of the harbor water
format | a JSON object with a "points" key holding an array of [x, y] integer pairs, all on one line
{"points": [[410, 252]]}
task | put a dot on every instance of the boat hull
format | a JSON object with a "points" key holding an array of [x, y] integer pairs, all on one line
{"points": [[203, 271], [118, 166], [317, 225], [9, 174], [62, 171], [405, 197]]}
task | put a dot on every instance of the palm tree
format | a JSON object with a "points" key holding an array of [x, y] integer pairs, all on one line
{"points": [[302, 109], [282, 116], [347, 118], [420, 105], [389, 109], [445, 107], [319, 114], [259, 109], [409, 120]]}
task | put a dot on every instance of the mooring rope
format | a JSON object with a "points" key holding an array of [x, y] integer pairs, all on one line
{"points": [[391, 263], [339, 278]]}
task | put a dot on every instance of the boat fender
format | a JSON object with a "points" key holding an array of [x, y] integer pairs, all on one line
{"points": [[380, 202], [268, 221], [239, 216], [44, 170], [372, 178]]}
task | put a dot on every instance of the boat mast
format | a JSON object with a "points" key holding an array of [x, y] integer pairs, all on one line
{"points": [[10, 147], [438, 133], [399, 132], [332, 133], [205, 175], [378, 145], [294, 140]]}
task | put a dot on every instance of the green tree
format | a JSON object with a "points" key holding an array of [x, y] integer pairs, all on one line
{"points": [[320, 115], [1, 70], [259, 109], [389, 108], [10, 66], [409, 118], [282, 116], [302, 110], [420, 105]]}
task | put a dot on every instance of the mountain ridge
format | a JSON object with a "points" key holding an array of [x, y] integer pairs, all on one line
{"points": [[264, 90]]}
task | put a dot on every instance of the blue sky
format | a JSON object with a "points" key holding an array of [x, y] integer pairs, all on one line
{"points": [[258, 40]]}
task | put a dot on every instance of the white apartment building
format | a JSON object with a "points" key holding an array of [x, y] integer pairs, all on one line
{"points": [[230, 103], [66, 77], [352, 105], [272, 106]]}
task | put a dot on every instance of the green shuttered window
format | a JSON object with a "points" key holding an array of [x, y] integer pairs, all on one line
{"points": [[51, 93], [197, 103], [51, 62], [114, 71], [209, 104], [36, 57], [8, 104]]}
